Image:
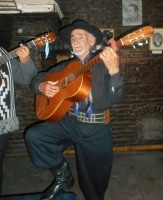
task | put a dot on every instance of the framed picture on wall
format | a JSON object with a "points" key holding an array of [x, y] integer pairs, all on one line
{"points": [[131, 12], [108, 33], [156, 41]]}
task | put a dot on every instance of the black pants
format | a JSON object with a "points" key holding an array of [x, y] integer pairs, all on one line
{"points": [[47, 141], [3, 144]]}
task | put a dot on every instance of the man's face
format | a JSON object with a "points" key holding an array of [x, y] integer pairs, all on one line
{"points": [[81, 42], [156, 38], [131, 12]]}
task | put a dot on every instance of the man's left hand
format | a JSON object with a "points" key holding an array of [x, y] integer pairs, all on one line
{"points": [[111, 60], [23, 53]]}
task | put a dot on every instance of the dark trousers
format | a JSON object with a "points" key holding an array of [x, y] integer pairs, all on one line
{"points": [[3, 144], [47, 141]]}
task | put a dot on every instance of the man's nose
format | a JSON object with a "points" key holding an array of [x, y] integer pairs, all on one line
{"points": [[76, 40]]}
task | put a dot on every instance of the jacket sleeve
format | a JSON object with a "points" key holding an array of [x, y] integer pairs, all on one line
{"points": [[115, 87], [23, 72], [36, 81], [39, 78]]}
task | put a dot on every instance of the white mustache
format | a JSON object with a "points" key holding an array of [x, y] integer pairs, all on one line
{"points": [[76, 46]]}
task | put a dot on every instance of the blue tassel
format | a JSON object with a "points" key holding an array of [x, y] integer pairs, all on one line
{"points": [[46, 48], [89, 109], [77, 106]]}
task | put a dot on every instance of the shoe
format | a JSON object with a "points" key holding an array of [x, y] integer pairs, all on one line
{"points": [[64, 181]]}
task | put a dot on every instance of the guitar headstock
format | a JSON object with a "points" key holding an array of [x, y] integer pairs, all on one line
{"points": [[136, 36], [42, 39]]}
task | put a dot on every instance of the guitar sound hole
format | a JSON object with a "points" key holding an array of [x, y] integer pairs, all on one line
{"points": [[64, 82], [71, 77]]}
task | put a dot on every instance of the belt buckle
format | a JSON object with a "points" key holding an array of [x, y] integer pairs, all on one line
{"points": [[95, 118]]}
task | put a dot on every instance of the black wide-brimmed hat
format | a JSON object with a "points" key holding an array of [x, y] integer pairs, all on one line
{"points": [[65, 32]]}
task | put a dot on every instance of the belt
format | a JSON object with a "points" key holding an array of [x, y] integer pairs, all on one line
{"points": [[103, 118]]}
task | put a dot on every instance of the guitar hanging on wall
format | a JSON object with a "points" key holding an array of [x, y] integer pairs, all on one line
{"points": [[74, 81]]}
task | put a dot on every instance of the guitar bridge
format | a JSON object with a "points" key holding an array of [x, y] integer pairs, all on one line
{"points": [[48, 101]]}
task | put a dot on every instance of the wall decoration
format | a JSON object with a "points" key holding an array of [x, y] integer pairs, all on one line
{"points": [[156, 41], [131, 12], [133, 56], [108, 33]]}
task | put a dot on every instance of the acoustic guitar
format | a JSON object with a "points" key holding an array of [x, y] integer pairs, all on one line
{"points": [[38, 41], [74, 81]]}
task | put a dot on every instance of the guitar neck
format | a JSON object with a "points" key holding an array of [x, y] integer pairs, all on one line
{"points": [[12, 54], [92, 62]]}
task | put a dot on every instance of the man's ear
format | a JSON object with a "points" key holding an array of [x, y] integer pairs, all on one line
{"points": [[93, 41]]}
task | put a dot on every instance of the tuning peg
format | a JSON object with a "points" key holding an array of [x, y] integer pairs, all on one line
{"points": [[134, 46], [146, 41], [140, 43]]}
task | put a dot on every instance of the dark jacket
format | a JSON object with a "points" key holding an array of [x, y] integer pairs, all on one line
{"points": [[106, 89]]}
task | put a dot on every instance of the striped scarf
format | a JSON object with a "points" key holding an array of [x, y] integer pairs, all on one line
{"points": [[8, 119]]}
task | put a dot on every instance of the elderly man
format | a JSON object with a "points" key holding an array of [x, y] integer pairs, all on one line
{"points": [[87, 123]]}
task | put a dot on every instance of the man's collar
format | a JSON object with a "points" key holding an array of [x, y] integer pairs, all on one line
{"points": [[88, 57]]}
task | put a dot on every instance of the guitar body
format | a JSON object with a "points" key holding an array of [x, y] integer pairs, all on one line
{"points": [[55, 108]]}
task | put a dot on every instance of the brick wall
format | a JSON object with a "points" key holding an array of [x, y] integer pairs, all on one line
{"points": [[143, 80]]}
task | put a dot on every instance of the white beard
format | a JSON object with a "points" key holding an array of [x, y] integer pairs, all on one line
{"points": [[82, 52]]}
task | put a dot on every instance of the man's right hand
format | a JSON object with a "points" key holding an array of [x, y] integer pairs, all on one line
{"points": [[49, 88]]}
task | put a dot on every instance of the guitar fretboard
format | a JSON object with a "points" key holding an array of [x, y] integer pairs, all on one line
{"points": [[12, 54], [92, 62]]}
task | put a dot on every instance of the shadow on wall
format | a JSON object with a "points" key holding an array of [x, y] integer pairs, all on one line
{"points": [[5, 39]]}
